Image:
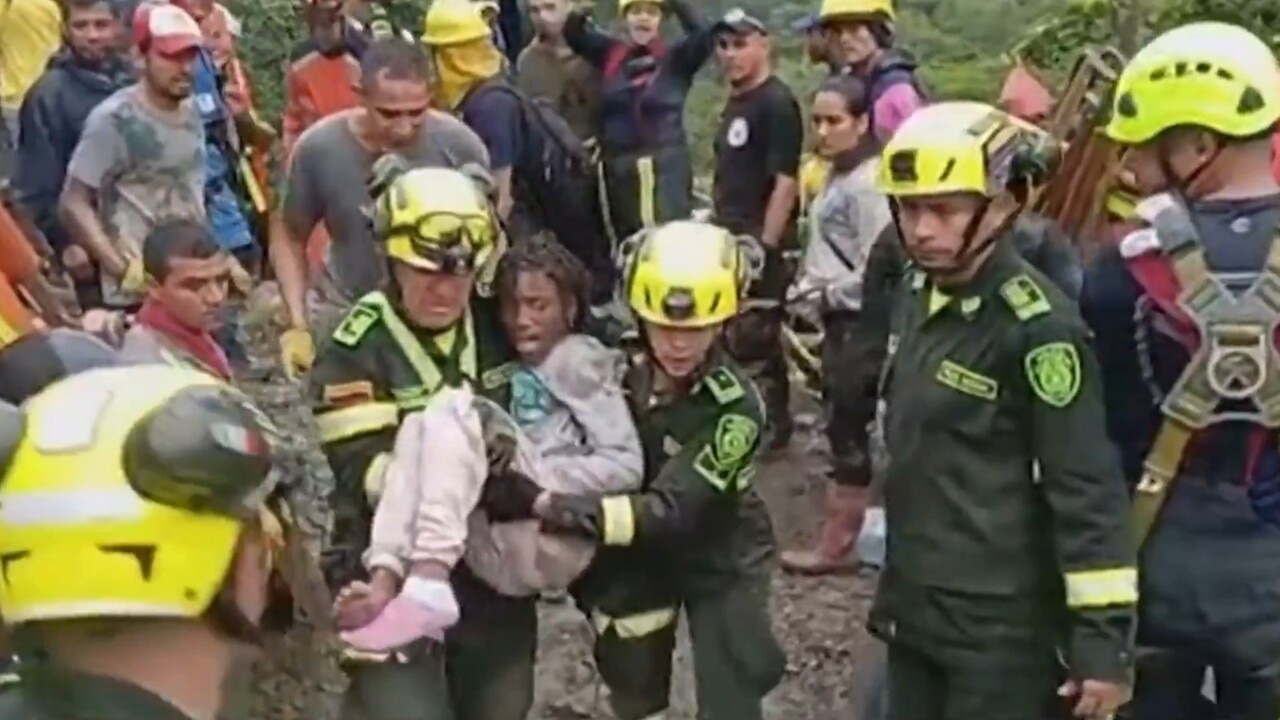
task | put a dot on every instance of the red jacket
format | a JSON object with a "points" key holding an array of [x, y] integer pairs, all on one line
{"points": [[1275, 155]]}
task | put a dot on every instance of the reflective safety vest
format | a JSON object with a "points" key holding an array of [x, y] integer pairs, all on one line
{"points": [[375, 307], [1232, 340]]}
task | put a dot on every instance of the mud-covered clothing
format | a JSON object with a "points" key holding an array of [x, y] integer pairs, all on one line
{"points": [[145, 167], [373, 371], [53, 693], [52, 119], [1005, 504], [565, 79], [1223, 614], [760, 138], [327, 182], [697, 535], [573, 434], [647, 169]]}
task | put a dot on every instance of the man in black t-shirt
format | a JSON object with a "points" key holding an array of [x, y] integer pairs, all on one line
{"points": [[756, 192]]}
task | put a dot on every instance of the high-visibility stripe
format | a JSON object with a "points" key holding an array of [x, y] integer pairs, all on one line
{"points": [[648, 183], [1101, 588], [71, 507], [348, 422], [619, 520], [634, 626], [375, 477]]}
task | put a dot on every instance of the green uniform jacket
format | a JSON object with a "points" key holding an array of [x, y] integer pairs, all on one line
{"points": [[1003, 488], [363, 384], [697, 524], [46, 693]]}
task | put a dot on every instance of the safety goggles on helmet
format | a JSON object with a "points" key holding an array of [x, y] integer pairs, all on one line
{"points": [[442, 242]]}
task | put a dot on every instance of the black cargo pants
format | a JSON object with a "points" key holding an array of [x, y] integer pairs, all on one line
{"points": [[853, 350], [484, 671], [755, 341], [736, 659]]}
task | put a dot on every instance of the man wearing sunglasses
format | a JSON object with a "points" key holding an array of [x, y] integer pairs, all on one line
{"points": [[425, 330]]}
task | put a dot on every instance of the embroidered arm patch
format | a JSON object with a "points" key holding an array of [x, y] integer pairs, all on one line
{"points": [[1053, 370], [723, 460]]}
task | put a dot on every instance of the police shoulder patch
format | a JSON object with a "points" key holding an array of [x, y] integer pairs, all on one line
{"points": [[1024, 297], [724, 386], [723, 460], [359, 320], [1053, 370], [346, 394]]}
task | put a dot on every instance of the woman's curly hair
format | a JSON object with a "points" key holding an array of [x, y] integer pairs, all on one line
{"points": [[543, 254]]}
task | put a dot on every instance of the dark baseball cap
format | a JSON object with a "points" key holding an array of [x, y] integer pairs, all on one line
{"points": [[738, 20]]}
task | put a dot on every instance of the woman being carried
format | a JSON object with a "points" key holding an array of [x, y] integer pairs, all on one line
{"points": [[568, 429]]}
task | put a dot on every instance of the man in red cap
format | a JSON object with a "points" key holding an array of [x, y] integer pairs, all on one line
{"points": [[140, 159]]}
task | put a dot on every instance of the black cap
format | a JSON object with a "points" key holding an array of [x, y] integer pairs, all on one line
{"points": [[738, 20]]}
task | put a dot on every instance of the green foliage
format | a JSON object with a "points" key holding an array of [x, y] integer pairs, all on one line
{"points": [[274, 27]]}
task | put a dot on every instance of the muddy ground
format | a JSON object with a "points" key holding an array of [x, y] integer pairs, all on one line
{"points": [[818, 620]]}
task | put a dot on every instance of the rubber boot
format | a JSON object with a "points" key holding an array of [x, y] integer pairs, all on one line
{"points": [[843, 511]]}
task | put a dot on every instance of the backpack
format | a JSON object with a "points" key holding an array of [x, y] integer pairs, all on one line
{"points": [[563, 184]]}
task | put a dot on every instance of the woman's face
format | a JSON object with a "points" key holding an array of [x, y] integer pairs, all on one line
{"points": [[834, 127], [644, 19]]}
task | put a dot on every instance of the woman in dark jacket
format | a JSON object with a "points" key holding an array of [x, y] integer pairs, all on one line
{"points": [[648, 175]]}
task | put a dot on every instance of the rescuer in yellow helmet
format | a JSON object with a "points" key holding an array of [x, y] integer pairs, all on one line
{"points": [[1007, 511], [426, 330], [137, 546], [861, 41], [1196, 108], [699, 419]]}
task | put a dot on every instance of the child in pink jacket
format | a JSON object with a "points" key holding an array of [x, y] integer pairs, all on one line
{"points": [[568, 430]]}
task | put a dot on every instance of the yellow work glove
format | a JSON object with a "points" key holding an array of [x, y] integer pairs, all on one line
{"points": [[134, 279], [297, 352]]}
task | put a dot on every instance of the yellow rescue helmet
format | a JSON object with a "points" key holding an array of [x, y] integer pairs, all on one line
{"points": [[686, 274], [453, 22], [127, 494], [1208, 74], [965, 147], [623, 5], [436, 219], [836, 10]]}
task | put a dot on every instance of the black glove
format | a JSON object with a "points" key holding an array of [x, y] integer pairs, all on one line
{"points": [[509, 496], [579, 515]]}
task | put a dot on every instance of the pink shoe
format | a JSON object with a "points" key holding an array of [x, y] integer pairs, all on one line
{"points": [[423, 609]]}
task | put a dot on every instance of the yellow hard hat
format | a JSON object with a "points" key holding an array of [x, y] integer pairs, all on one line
{"points": [[832, 10], [624, 4], [436, 219], [1208, 74], [686, 274], [127, 494], [965, 147], [453, 22]]}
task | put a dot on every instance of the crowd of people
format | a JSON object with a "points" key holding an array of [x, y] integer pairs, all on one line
{"points": [[533, 371]]}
